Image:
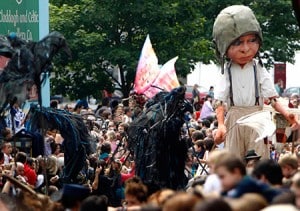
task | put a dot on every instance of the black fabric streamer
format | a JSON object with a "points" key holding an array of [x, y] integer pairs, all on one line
{"points": [[73, 130], [154, 136]]}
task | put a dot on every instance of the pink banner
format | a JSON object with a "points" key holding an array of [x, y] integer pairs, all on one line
{"points": [[165, 81], [147, 69], [149, 79]]}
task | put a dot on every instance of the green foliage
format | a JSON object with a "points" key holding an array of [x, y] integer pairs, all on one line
{"points": [[109, 34]]}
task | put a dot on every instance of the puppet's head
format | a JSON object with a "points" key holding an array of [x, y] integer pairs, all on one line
{"points": [[232, 23]]}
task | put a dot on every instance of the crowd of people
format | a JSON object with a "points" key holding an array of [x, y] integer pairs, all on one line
{"points": [[215, 177]]}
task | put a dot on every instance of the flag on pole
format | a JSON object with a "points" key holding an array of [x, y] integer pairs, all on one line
{"points": [[261, 122], [150, 79], [166, 79], [147, 69]]}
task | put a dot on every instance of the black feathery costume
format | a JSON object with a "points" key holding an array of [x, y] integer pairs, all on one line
{"points": [[75, 133], [29, 60], [155, 139]]}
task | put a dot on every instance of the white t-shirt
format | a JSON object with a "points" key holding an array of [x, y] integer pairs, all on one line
{"points": [[243, 85], [212, 184]]}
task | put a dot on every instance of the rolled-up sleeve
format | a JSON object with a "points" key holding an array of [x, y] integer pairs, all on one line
{"points": [[267, 84], [222, 87]]}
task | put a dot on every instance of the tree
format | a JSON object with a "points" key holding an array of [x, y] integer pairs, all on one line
{"points": [[106, 36], [109, 34]]}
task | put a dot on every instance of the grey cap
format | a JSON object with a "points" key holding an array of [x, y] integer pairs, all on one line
{"points": [[231, 23]]}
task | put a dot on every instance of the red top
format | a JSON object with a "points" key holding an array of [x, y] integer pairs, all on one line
{"points": [[30, 174], [125, 177]]}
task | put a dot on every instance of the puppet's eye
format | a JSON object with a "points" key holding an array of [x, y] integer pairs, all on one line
{"points": [[236, 42]]}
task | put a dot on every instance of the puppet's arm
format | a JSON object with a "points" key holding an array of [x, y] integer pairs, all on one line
{"points": [[220, 114], [288, 116]]}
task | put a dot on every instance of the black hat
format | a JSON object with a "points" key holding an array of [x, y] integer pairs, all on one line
{"points": [[251, 155], [74, 191]]}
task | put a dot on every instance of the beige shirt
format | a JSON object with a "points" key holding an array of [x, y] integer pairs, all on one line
{"points": [[243, 85]]}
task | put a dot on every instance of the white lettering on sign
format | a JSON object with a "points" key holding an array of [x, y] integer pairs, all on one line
{"points": [[33, 17], [9, 17], [17, 18], [19, 1]]}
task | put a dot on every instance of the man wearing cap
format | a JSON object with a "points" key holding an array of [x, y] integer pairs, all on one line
{"points": [[244, 85], [251, 159]]}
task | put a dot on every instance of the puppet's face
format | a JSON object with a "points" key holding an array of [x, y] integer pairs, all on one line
{"points": [[3, 62], [243, 49]]}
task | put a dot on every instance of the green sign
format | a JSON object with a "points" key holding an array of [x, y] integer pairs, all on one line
{"points": [[21, 17]]}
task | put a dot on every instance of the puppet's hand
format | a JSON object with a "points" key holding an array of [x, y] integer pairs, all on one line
{"points": [[220, 134], [294, 123]]}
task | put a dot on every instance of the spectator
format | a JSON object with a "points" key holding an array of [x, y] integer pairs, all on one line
{"points": [[235, 183], [289, 167], [294, 101], [1, 158], [160, 197], [71, 196], [248, 202], [136, 192], [112, 138], [195, 97], [6, 148], [105, 151], [102, 183], [212, 184], [68, 108], [54, 104], [295, 187], [111, 126], [211, 92], [104, 107], [122, 127], [78, 107], [99, 203], [181, 201], [251, 159], [16, 118], [48, 140], [212, 205], [207, 109], [6, 134], [114, 172], [29, 173], [8, 203], [197, 135], [118, 113], [127, 117], [269, 172], [279, 87]]}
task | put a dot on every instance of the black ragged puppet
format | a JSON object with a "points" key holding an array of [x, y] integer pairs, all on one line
{"points": [[74, 132], [155, 140], [28, 61]]}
